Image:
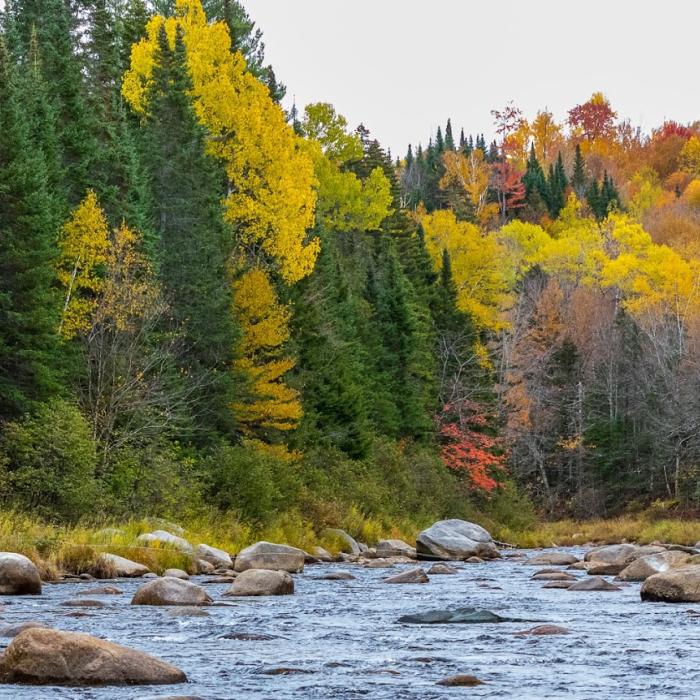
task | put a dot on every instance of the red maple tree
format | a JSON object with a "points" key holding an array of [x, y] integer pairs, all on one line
{"points": [[467, 448]]}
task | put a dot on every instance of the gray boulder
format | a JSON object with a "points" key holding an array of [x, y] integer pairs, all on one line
{"points": [[552, 559], [350, 544], [441, 569], [456, 616], [124, 568], [177, 573], [321, 554], [170, 591], [612, 559], [680, 585], [416, 575], [266, 555], [644, 567], [49, 657], [217, 557], [594, 583], [256, 582], [164, 537], [18, 575], [395, 548], [453, 540]]}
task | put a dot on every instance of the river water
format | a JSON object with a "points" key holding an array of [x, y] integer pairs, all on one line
{"points": [[342, 639]]}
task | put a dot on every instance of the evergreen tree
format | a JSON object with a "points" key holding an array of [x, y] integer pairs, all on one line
{"points": [[439, 141], [556, 186], [462, 140], [537, 195], [192, 243], [578, 176], [29, 350], [449, 138]]}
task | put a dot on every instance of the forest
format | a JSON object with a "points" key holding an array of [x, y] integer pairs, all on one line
{"points": [[215, 308]]}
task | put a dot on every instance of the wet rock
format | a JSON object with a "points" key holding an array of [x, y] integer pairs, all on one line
{"points": [[336, 576], [681, 585], [164, 537], [283, 671], [553, 576], [543, 631], [170, 591], [475, 560], [461, 681], [256, 582], [203, 566], [644, 567], [248, 636], [48, 657], [594, 583], [395, 548], [350, 544], [124, 568], [83, 603], [378, 564], [87, 577], [552, 559], [216, 557], [321, 554], [441, 569], [454, 540], [558, 584], [18, 575], [578, 566], [220, 579], [101, 590], [456, 616], [416, 575], [14, 630], [177, 573], [348, 558], [188, 612], [266, 555]]}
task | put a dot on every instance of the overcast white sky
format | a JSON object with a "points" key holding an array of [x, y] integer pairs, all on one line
{"points": [[404, 66]]}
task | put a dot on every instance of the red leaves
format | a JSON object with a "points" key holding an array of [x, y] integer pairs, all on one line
{"points": [[671, 128], [507, 181], [594, 119], [467, 449]]}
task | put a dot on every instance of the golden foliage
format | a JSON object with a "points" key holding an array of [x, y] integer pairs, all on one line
{"points": [[83, 244]]}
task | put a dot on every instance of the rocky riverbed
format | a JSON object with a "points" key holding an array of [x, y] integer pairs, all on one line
{"points": [[342, 638]]}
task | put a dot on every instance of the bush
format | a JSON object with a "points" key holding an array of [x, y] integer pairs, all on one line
{"points": [[245, 480], [49, 462]]}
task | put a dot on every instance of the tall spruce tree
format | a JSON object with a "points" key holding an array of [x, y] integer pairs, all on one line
{"points": [[578, 176], [449, 138], [192, 243], [29, 347]]}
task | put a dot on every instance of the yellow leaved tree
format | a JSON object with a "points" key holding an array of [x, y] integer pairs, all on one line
{"points": [[83, 244], [270, 202]]}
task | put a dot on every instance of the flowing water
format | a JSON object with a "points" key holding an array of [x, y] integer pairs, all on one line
{"points": [[342, 639]]}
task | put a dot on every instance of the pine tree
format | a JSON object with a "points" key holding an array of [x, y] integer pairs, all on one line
{"points": [[449, 138], [578, 176], [556, 186], [29, 350], [537, 194], [191, 241], [439, 141]]}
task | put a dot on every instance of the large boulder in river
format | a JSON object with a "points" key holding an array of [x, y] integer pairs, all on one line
{"points": [[395, 548], [217, 557], [644, 567], [170, 591], [453, 540], [254, 582], [681, 585], [350, 545], [416, 575], [266, 555], [552, 559], [124, 568], [612, 559], [167, 538], [49, 657], [18, 575]]}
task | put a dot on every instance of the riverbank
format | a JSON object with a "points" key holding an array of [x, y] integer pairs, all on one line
{"points": [[76, 548]]}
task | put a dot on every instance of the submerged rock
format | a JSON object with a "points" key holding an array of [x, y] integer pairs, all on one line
{"points": [[101, 590], [18, 575], [267, 555], [461, 681], [453, 540], [456, 616], [416, 575], [441, 569], [170, 591], [594, 583], [335, 576], [543, 630], [553, 576], [681, 585], [48, 657], [14, 630], [256, 582]]}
